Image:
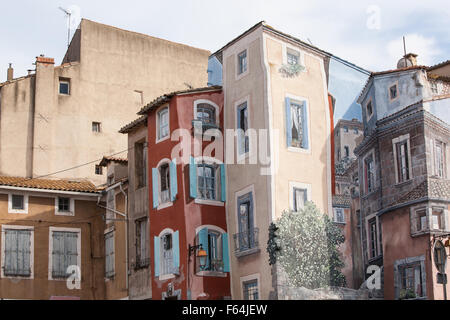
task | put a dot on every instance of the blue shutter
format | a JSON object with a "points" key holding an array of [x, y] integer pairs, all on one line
{"points": [[193, 178], [305, 142], [288, 123], [203, 240], [155, 187], [223, 183], [156, 255], [173, 180], [225, 255], [176, 252]]}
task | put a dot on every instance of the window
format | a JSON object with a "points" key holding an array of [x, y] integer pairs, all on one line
{"points": [[293, 57], [434, 87], [356, 131], [96, 127], [65, 252], [17, 251], [164, 175], [140, 159], [300, 198], [109, 254], [247, 237], [138, 97], [64, 206], [436, 219], [373, 244], [339, 215], [18, 202], [369, 172], [251, 290], [98, 170], [163, 123], [347, 151], [242, 62], [142, 257], [439, 159], [422, 224], [215, 242], [164, 180], [393, 92], [296, 120], [64, 86], [339, 155], [402, 161], [345, 129], [167, 254], [369, 109], [411, 285], [206, 181], [243, 138], [206, 114]]}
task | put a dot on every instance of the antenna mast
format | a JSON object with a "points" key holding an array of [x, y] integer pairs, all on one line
{"points": [[404, 50], [68, 14]]}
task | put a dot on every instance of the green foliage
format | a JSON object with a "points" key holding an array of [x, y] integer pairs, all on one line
{"points": [[309, 254]]}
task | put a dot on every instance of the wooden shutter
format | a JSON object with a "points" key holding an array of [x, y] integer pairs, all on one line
{"points": [[176, 252], [173, 180], [155, 187], [225, 253], [156, 254], [193, 178]]}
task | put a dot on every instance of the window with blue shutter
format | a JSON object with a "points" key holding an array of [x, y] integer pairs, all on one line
{"points": [[223, 186], [64, 252], [225, 253], [192, 178], [288, 122], [17, 253], [173, 180], [176, 252], [155, 187], [203, 241], [156, 254]]}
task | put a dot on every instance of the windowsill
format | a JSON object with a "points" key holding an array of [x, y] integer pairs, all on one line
{"points": [[403, 183], [15, 211], [211, 274], [375, 258], [65, 213], [167, 277], [339, 223], [165, 205], [162, 139], [242, 157], [248, 252], [209, 202], [299, 150], [18, 277], [241, 75], [367, 195], [64, 94], [429, 232]]}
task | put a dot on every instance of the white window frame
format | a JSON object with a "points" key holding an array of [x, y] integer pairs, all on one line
{"points": [[237, 104], [170, 202], [389, 92], [238, 75], [434, 158], [298, 185], [368, 117], [308, 116], [218, 176], [157, 139], [286, 47], [212, 104], [64, 80], [50, 249], [95, 170], [167, 276], [25, 203], [15, 227], [399, 139], [71, 211], [335, 215], [251, 277]]}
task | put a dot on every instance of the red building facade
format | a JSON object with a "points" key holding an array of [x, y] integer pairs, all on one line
{"points": [[187, 195]]}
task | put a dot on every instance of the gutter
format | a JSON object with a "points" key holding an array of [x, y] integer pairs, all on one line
{"points": [[73, 193]]}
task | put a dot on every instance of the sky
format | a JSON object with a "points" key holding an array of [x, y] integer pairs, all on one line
{"points": [[367, 33]]}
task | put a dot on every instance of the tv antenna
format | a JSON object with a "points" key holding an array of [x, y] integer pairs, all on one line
{"points": [[68, 14]]}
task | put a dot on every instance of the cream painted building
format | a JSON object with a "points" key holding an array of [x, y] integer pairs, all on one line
{"points": [[266, 89], [64, 116]]}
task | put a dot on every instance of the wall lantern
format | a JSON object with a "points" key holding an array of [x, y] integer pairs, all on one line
{"points": [[201, 254]]}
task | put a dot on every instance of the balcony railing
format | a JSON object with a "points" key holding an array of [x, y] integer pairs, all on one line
{"points": [[142, 263], [246, 242], [215, 265]]}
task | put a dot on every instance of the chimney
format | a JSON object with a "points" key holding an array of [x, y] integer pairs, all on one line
{"points": [[45, 60], [408, 60], [412, 57], [10, 74]]}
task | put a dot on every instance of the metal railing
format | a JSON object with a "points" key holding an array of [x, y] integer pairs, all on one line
{"points": [[246, 240]]}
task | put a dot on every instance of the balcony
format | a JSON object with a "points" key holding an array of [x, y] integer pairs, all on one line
{"points": [[246, 243], [199, 127], [214, 268]]}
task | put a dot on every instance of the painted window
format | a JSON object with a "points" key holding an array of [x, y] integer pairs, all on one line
{"points": [[345, 129], [165, 186], [98, 170], [167, 254], [215, 243], [300, 198], [251, 290], [421, 218], [18, 202], [63, 204], [293, 57], [402, 161], [369, 109], [140, 159], [243, 138], [207, 180], [246, 238], [339, 215], [96, 127], [17, 252], [64, 252], [411, 285], [437, 216], [206, 113], [373, 244], [297, 124], [347, 151], [64, 86], [393, 92], [142, 258], [242, 62], [163, 123], [369, 171], [439, 159], [109, 255]]}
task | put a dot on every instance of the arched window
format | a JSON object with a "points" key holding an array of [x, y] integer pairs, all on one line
{"points": [[206, 113], [167, 254], [214, 241], [162, 124], [164, 183]]}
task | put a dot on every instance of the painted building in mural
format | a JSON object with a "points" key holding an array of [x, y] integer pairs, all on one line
{"points": [[404, 184], [188, 235]]}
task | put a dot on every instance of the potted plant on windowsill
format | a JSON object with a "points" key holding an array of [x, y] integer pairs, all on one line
{"points": [[407, 294]]}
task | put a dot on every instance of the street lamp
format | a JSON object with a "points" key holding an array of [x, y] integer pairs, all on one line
{"points": [[201, 254]]}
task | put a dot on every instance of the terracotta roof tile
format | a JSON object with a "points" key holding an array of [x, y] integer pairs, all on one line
{"points": [[342, 200], [135, 123], [47, 184], [106, 159], [432, 188]]}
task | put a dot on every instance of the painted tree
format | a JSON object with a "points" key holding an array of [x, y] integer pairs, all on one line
{"points": [[308, 244]]}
